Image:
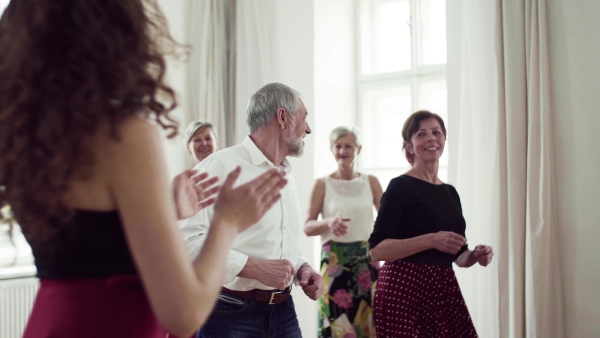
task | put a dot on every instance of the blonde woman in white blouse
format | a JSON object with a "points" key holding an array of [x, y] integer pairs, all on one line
{"points": [[345, 200]]}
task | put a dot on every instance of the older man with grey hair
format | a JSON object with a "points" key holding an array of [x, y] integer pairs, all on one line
{"points": [[264, 260]]}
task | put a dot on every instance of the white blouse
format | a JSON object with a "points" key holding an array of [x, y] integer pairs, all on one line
{"points": [[349, 199]]}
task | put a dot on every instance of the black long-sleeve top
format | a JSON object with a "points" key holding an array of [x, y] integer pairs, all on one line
{"points": [[411, 207]]}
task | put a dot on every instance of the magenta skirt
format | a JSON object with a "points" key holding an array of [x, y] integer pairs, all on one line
{"points": [[420, 300], [111, 307]]}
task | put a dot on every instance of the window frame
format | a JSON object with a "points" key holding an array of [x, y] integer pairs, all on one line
{"points": [[3, 5], [414, 77]]}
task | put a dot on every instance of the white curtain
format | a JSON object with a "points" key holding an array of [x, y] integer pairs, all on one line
{"points": [[254, 63], [503, 166], [212, 66], [232, 58]]}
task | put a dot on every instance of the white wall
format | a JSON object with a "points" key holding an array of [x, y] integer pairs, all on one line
{"points": [[574, 55], [335, 75]]}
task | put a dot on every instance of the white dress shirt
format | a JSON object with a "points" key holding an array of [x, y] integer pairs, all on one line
{"points": [[277, 233]]}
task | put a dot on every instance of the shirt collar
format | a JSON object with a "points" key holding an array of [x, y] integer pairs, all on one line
{"points": [[257, 157]]}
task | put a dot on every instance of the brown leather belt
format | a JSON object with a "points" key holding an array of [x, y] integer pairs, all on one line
{"points": [[271, 297]]}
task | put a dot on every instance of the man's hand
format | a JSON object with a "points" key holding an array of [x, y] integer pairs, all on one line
{"points": [[310, 281], [276, 273]]}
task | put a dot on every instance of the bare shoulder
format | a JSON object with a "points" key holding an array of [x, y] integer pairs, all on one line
{"points": [[319, 184], [318, 191], [90, 188], [137, 144], [133, 135], [373, 181], [131, 131], [376, 189]]}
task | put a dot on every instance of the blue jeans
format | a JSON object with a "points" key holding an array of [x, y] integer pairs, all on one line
{"points": [[235, 317]]}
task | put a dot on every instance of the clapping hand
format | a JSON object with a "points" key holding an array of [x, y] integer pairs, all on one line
{"points": [[246, 204], [193, 192]]}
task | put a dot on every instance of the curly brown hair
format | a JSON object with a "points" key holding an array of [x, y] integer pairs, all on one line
{"points": [[68, 67]]}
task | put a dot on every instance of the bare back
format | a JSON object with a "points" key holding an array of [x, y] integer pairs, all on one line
{"points": [[88, 189]]}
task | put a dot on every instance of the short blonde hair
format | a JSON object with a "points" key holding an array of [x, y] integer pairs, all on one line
{"points": [[196, 127], [343, 131]]}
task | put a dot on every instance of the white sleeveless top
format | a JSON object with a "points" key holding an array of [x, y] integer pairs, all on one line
{"points": [[349, 199]]}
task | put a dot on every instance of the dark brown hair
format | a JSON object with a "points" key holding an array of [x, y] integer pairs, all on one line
{"points": [[411, 126], [68, 67]]}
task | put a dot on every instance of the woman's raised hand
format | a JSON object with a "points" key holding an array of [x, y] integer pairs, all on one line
{"points": [[246, 204], [193, 192]]}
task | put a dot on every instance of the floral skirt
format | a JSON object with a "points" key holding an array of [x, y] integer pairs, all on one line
{"points": [[420, 300], [345, 308]]}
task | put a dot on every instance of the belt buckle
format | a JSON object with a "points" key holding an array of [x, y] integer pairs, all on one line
{"points": [[273, 296]]}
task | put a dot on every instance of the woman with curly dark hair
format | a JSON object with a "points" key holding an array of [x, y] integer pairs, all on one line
{"points": [[82, 91]]}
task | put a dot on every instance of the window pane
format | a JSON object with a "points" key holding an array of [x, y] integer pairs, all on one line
{"points": [[3, 4], [433, 96], [433, 32], [384, 113], [385, 36]]}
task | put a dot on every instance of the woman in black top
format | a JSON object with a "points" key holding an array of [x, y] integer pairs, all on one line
{"points": [[419, 232]]}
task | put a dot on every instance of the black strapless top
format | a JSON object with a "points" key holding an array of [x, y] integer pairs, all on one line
{"points": [[90, 245]]}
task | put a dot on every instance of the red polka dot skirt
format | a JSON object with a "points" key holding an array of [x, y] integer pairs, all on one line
{"points": [[420, 300]]}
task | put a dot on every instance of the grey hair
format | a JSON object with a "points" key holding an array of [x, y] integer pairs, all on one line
{"points": [[343, 131], [263, 105], [198, 126]]}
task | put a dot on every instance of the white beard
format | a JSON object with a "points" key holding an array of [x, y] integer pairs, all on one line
{"points": [[295, 146]]}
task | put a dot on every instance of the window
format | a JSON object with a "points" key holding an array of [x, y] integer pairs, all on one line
{"points": [[15, 253], [3, 4], [402, 68]]}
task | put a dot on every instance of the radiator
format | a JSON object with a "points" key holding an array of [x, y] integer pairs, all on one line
{"points": [[16, 302]]}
